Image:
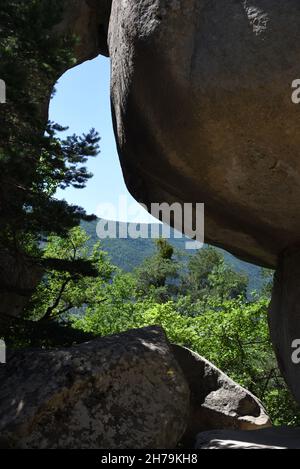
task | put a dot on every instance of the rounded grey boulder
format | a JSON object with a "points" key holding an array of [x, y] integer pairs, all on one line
{"points": [[116, 392]]}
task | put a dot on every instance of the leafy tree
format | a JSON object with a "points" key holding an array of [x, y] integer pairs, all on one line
{"points": [[202, 264], [209, 276], [115, 314], [267, 286], [63, 291], [33, 213], [225, 283], [156, 277]]}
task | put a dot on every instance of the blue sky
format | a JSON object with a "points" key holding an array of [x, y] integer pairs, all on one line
{"points": [[82, 101]]}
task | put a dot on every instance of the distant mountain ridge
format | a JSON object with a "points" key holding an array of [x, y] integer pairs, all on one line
{"points": [[128, 253]]}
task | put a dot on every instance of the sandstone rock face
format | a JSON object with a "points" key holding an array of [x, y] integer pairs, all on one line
{"points": [[203, 113], [271, 438], [217, 401], [123, 391]]}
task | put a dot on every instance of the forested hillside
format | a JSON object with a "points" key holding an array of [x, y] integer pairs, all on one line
{"points": [[129, 253]]}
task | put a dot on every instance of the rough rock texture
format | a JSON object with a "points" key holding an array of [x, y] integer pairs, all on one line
{"points": [[122, 391], [88, 20], [270, 438], [217, 401], [203, 113], [284, 318]]}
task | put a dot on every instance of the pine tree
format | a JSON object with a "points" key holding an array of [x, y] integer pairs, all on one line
{"points": [[34, 160], [156, 277]]}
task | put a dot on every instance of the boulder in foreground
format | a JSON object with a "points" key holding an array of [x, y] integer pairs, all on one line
{"points": [[122, 391], [217, 401]]}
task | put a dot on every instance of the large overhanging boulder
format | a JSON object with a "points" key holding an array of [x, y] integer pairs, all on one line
{"points": [[202, 105], [203, 113]]}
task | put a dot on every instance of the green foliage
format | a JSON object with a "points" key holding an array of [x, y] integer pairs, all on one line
{"points": [[232, 335], [210, 276], [115, 314], [164, 249], [156, 276], [220, 323], [62, 291], [202, 304], [267, 282], [34, 160], [128, 254]]}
